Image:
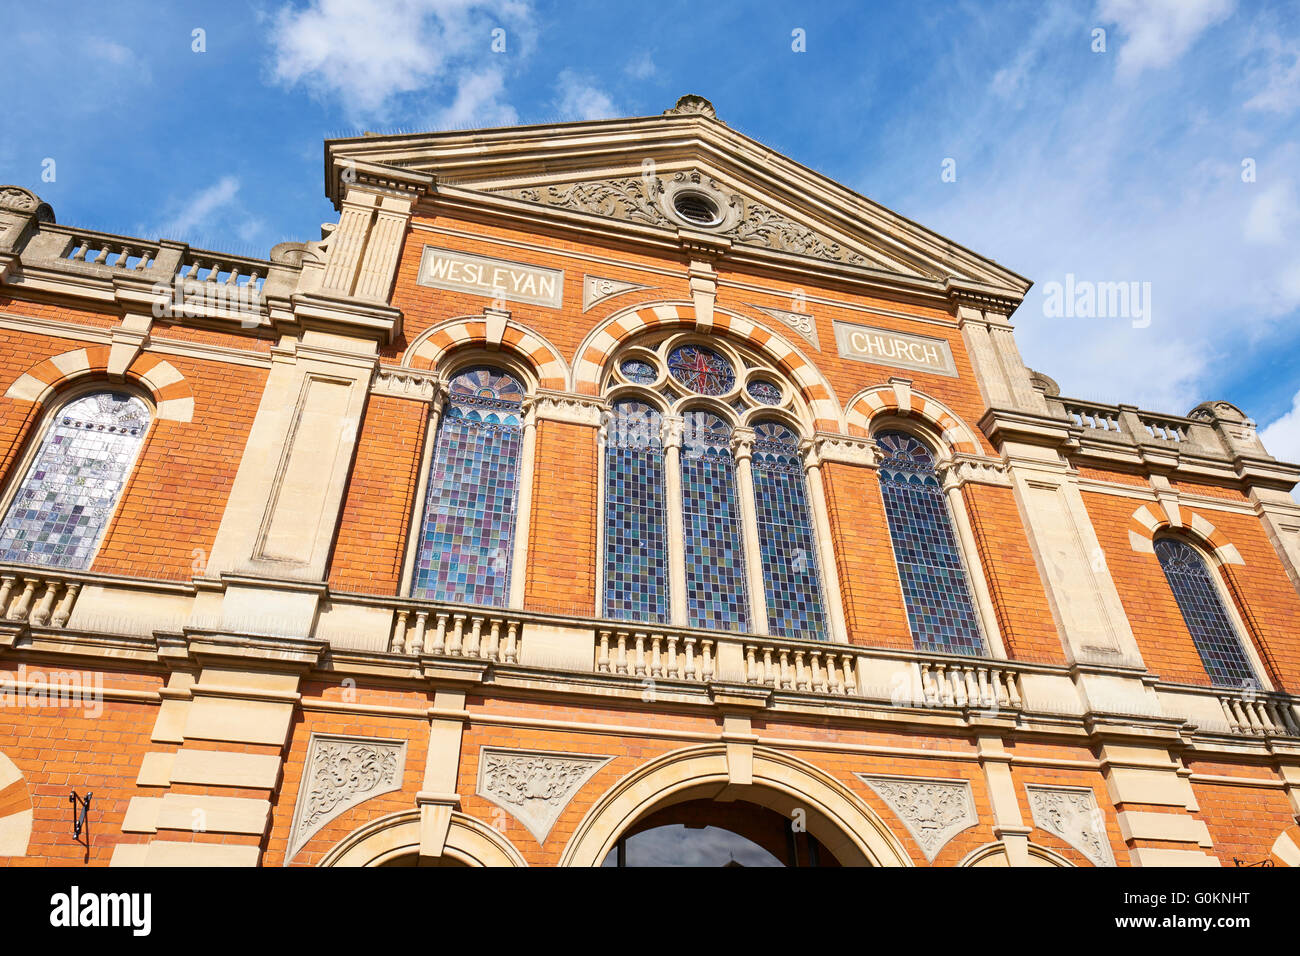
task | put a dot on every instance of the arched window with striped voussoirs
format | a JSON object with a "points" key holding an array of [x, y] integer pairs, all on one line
{"points": [[1201, 602], [466, 539], [57, 515]]}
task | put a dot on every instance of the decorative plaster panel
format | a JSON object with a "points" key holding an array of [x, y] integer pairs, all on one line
{"points": [[934, 811], [341, 772], [1072, 814], [534, 787]]}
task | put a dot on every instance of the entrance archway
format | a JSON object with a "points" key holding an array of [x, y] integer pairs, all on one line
{"points": [[840, 822], [713, 833]]}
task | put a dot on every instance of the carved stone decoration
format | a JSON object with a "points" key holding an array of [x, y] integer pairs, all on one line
{"points": [[534, 787], [980, 469], [596, 289], [404, 383], [841, 448], [339, 773], [692, 103], [634, 199], [567, 407], [641, 199], [1072, 814], [801, 322], [934, 811]]}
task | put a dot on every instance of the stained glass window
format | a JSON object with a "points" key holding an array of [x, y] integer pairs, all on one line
{"points": [[1198, 598], [466, 540], [764, 392], [636, 548], [635, 370], [67, 497], [716, 595], [701, 370], [935, 587], [785, 536]]}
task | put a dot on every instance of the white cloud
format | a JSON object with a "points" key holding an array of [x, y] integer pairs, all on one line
{"points": [[1282, 437], [1158, 32], [578, 98], [367, 53], [1278, 79], [200, 209], [477, 103], [1272, 214], [641, 67]]}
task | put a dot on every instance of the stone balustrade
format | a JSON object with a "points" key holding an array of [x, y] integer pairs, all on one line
{"points": [[1259, 714], [36, 598]]}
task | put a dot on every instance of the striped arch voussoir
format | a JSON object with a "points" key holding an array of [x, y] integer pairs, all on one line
{"points": [[171, 392], [1286, 849], [494, 332], [601, 344], [899, 399], [1150, 519]]}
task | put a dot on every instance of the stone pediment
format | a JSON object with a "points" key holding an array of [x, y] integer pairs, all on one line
{"points": [[682, 176]]}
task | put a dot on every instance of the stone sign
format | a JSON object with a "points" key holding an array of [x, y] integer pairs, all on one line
{"points": [[887, 347], [493, 278]]}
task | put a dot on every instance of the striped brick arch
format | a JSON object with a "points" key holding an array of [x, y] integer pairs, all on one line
{"points": [[494, 332], [1286, 849], [1150, 519], [170, 390], [900, 399], [15, 810], [605, 339]]}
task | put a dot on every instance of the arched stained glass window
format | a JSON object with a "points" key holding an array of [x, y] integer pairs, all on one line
{"points": [[67, 497], [467, 537], [701, 370], [716, 595], [636, 551], [785, 536], [1216, 639], [935, 587]]}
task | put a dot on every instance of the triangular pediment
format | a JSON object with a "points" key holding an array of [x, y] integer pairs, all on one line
{"points": [[629, 176]]}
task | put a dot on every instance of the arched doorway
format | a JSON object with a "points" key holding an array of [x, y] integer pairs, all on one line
{"points": [[704, 833], [702, 779]]}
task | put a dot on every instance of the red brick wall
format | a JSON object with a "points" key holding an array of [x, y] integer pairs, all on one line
{"points": [[873, 597], [369, 547], [77, 747], [562, 537]]}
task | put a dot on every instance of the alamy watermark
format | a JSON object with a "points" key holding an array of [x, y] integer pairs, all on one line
{"points": [[36, 688], [1085, 299]]}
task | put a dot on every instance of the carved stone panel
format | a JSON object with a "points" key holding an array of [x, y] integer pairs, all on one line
{"points": [[741, 219], [801, 322], [341, 772], [596, 289], [934, 811], [1072, 814], [534, 787]]}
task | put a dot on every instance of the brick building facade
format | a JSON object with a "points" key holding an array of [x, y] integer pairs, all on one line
{"points": [[604, 479]]}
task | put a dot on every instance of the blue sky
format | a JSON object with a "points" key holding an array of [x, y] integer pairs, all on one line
{"points": [[1115, 165]]}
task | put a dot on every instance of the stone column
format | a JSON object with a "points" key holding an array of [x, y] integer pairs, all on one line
{"points": [[524, 506]]}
